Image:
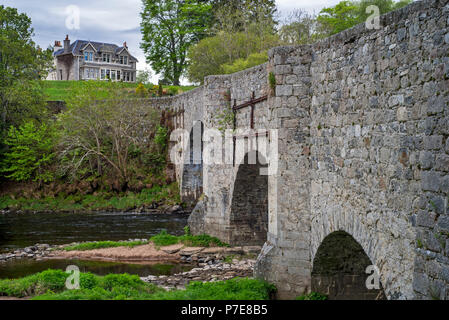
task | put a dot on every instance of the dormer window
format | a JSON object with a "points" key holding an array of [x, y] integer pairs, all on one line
{"points": [[123, 59], [88, 56], [106, 57]]}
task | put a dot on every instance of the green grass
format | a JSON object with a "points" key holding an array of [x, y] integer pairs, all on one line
{"points": [[104, 244], [50, 285], [160, 240], [60, 90], [168, 195], [204, 240]]}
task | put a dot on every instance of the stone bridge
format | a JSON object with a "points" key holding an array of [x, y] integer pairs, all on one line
{"points": [[358, 159]]}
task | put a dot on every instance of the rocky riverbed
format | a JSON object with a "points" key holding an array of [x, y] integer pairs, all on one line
{"points": [[38, 251], [210, 264], [209, 272]]}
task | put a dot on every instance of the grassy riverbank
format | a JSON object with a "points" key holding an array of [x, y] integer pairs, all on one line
{"points": [[102, 201], [160, 240], [50, 285]]}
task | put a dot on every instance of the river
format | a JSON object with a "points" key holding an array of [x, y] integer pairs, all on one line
{"points": [[19, 230]]}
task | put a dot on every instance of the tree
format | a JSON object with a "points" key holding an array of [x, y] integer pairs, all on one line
{"points": [[242, 28], [210, 55], [22, 64], [143, 76], [31, 151], [383, 5], [347, 14], [107, 137], [299, 28], [341, 17], [237, 15], [169, 28]]}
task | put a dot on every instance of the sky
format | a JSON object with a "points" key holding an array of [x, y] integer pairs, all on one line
{"points": [[111, 21]]}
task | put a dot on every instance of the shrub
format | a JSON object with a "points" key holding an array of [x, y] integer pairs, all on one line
{"points": [[88, 280], [122, 280], [253, 60], [30, 152], [164, 239], [141, 91], [312, 296], [235, 289]]}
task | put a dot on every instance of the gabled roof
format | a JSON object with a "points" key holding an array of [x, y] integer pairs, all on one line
{"points": [[77, 47]]}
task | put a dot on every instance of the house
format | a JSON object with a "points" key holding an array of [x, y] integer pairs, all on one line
{"points": [[89, 60]]}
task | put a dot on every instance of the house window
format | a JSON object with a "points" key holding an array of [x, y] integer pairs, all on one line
{"points": [[103, 74], [113, 75], [118, 75], [108, 74], [123, 59], [106, 57], [88, 56]]}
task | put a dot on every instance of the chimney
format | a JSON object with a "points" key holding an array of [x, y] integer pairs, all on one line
{"points": [[57, 46], [66, 44], [125, 45]]}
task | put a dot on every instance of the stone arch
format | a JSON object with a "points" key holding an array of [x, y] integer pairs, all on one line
{"points": [[192, 175], [339, 269], [249, 206]]}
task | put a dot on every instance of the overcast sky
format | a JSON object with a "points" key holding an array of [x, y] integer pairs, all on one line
{"points": [[113, 21]]}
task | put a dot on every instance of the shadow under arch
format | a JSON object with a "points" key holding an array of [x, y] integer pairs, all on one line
{"points": [[192, 175], [339, 270], [249, 207]]}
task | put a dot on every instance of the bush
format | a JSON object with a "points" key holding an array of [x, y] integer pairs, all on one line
{"points": [[312, 296], [31, 151], [235, 289], [253, 60], [112, 281], [164, 239], [53, 279], [88, 280], [49, 285]]}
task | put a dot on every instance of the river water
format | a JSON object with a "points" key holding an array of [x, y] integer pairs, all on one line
{"points": [[27, 229]]}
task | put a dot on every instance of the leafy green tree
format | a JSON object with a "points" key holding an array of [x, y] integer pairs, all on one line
{"points": [[143, 76], [210, 55], [31, 151], [341, 17], [169, 28], [347, 14], [299, 28], [253, 60], [22, 64], [107, 137], [383, 5], [237, 15]]}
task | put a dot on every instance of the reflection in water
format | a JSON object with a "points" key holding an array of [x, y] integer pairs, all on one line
{"points": [[24, 267], [21, 230]]}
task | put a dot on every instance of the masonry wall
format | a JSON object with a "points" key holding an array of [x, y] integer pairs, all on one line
{"points": [[378, 152]]}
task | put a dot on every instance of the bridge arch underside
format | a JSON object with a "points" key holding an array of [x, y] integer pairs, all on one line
{"points": [[192, 173], [248, 222], [339, 270]]}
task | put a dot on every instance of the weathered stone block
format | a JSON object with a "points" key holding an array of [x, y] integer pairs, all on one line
{"points": [[430, 181], [425, 219], [442, 162], [284, 90]]}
